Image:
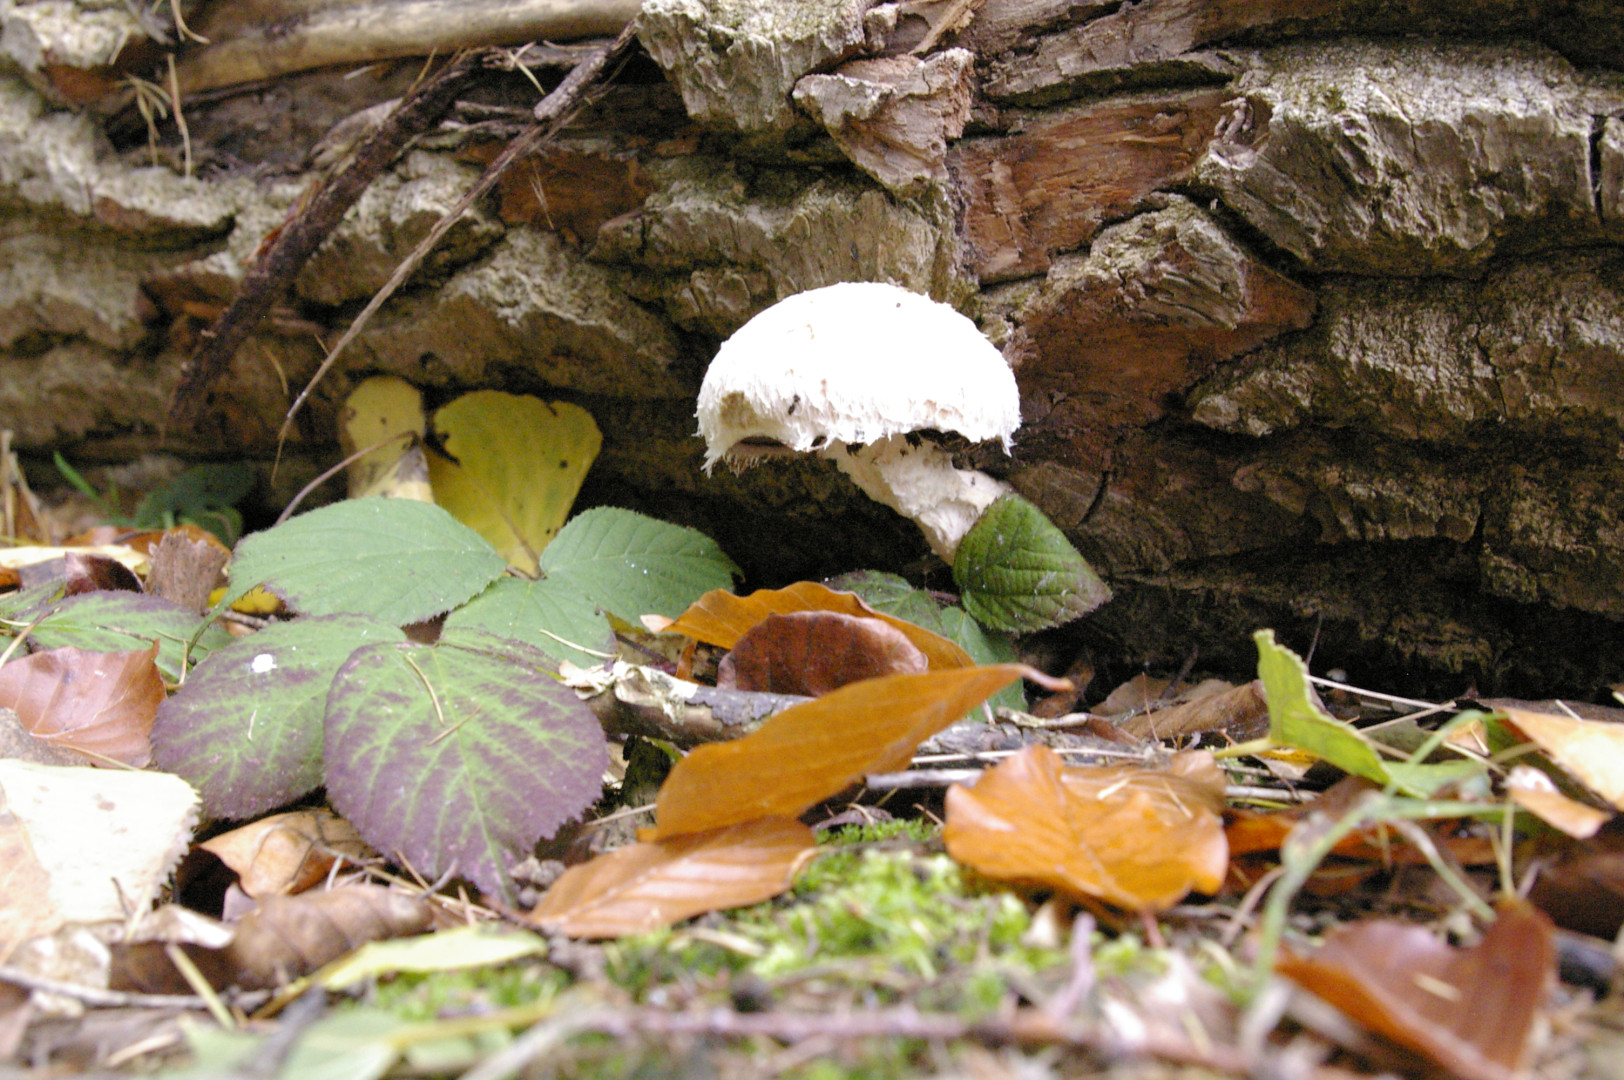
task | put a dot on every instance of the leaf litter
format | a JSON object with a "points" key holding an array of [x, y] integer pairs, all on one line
{"points": [[475, 785]]}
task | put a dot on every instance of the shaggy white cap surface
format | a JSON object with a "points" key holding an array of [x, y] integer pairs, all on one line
{"points": [[853, 363]]}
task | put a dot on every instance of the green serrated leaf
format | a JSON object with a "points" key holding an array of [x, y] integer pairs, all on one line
{"points": [[108, 621], [547, 614], [395, 560], [459, 755], [246, 729], [892, 595], [1016, 572], [633, 565]]}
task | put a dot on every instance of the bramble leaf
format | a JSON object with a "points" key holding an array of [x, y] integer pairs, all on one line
{"points": [[459, 755], [246, 728], [1017, 572], [396, 560], [634, 565]]}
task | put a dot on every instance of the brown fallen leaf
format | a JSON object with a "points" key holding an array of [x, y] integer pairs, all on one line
{"points": [[285, 938], [286, 853], [1137, 838], [813, 652], [645, 886], [1242, 712], [1138, 693], [721, 618], [1581, 883], [1592, 750], [186, 565], [80, 572], [101, 703], [812, 751], [1470, 1010]]}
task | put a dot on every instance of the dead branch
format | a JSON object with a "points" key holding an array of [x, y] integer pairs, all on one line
{"points": [[304, 233], [265, 39], [552, 113]]}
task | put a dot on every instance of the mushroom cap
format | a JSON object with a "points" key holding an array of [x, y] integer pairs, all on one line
{"points": [[853, 363]]}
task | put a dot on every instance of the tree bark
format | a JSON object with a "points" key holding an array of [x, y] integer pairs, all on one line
{"points": [[1317, 308]]}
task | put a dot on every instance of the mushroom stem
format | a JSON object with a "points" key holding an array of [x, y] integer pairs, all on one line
{"points": [[916, 478]]}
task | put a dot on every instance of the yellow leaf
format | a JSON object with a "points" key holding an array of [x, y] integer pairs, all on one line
{"points": [[1136, 838], [384, 410], [516, 463], [643, 887]]}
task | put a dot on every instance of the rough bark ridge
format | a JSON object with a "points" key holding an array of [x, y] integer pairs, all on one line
{"points": [[1317, 307]]}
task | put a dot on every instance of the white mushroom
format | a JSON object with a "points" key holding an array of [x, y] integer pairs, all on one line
{"points": [[852, 372]]}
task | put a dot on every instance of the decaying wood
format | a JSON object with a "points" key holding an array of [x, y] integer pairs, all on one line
{"points": [[253, 40], [1314, 307], [1052, 182]]}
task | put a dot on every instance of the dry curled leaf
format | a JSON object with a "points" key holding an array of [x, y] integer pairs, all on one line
{"points": [[285, 938], [810, 752], [1470, 1010], [813, 652], [1242, 712], [1137, 838], [286, 853], [95, 702], [721, 618], [645, 886]]}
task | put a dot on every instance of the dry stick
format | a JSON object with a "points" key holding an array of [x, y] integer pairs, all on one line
{"points": [[1029, 1027], [552, 113], [304, 233]]}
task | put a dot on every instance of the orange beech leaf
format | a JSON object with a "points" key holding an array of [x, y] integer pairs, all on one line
{"points": [[1470, 1010], [98, 702], [286, 853], [721, 618], [1534, 792], [814, 750], [643, 887], [813, 652], [1137, 838], [1592, 750]]}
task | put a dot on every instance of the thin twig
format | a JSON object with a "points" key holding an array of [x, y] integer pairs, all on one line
{"points": [[303, 234], [552, 114], [90, 995]]}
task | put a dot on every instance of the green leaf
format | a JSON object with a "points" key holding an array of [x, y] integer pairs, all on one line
{"points": [[246, 729], [892, 595], [460, 755], [479, 945], [634, 565], [1017, 572], [396, 560], [1295, 720], [108, 621], [544, 613]]}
